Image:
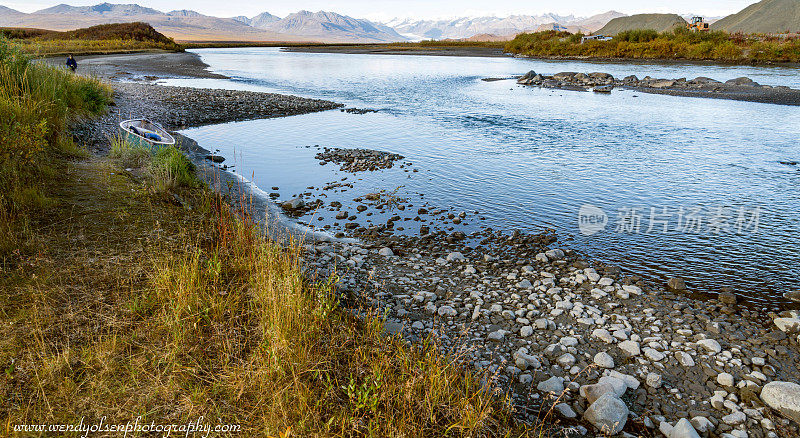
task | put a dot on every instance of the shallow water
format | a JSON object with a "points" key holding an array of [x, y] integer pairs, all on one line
{"points": [[528, 158]]}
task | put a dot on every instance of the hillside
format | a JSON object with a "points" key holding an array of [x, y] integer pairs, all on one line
{"points": [[657, 22], [767, 16], [596, 22]]}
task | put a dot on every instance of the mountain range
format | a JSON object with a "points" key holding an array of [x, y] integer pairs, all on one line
{"points": [[187, 25], [768, 16]]}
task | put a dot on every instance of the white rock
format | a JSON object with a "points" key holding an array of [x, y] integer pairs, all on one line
{"points": [[702, 424], [447, 311], [630, 348], [683, 429], [455, 256], [654, 354], [710, 345], [525, 379], [470, 270], [608, 414], [784, 397], [636, 290], [604, 360], [603, 335], [653, 380], [725, 379], [568, 341], [684, 359], [554, 254], [788, 325], [554, 384], [386, 252], [525, 284], [735, 418]]}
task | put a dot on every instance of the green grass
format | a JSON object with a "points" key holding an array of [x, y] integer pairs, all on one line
{"points": [[648, 44], [36, 103]]}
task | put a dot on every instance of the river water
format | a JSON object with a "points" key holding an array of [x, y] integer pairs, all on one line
{"points": [[660, 185]]}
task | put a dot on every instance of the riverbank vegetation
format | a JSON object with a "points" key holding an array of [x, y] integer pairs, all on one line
{"points": [[647, 44], [141, 293], [104, 38]]}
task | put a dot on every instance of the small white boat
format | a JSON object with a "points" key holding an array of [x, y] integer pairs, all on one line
{"points": [[146, 133]]}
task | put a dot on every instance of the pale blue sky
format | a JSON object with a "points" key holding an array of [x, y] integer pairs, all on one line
{"points": [[385, 9]]}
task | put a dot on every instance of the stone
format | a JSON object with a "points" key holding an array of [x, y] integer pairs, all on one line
{"points": [[566, 360], [683, 429], [526, 331], [497, 336], [293, 204], [603, 335], [788, 325], [604, 360], [525, 284], [455, 256], [593, 392], [783, 397], [653, 380], [702, 424], [676, 284], [568, 341], [710, 345], [654, 354], [565, 411], [742, 82], [554, 384], [725, 380], [608, 414], [447, 311], [630, 348], [386, 252], [792, 295], [616, 383], [735, 418], [727, 298], [684, 359]]}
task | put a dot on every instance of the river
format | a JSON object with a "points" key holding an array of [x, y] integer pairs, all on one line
{"points": [[705, 189]]}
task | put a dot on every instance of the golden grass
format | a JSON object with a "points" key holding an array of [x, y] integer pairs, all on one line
{"points": [[136, 306]]}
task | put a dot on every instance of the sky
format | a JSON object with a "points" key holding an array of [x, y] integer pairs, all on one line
{"points": [[421, 9]]}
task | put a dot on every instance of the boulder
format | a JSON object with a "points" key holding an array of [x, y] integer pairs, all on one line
{"points": [[293, 204], [788, 325], [564, 76], [783, 397], [742, 82], [386, 252], [676, 284], [683, 429], [527, 78], [593, 392], [792, 295], [554, 384], [608, 414]]}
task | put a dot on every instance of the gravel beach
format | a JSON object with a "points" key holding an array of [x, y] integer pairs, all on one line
{"points": [[605, 350]]}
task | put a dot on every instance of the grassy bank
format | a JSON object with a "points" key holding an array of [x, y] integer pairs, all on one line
{"points": [[142, 293], [105, 38], [673, 45]]}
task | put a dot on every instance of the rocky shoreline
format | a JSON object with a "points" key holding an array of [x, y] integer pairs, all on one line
{"points": [[602, 348], [744, 89]]}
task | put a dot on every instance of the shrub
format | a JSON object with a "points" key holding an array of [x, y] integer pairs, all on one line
{"points": [[637, 35]]}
